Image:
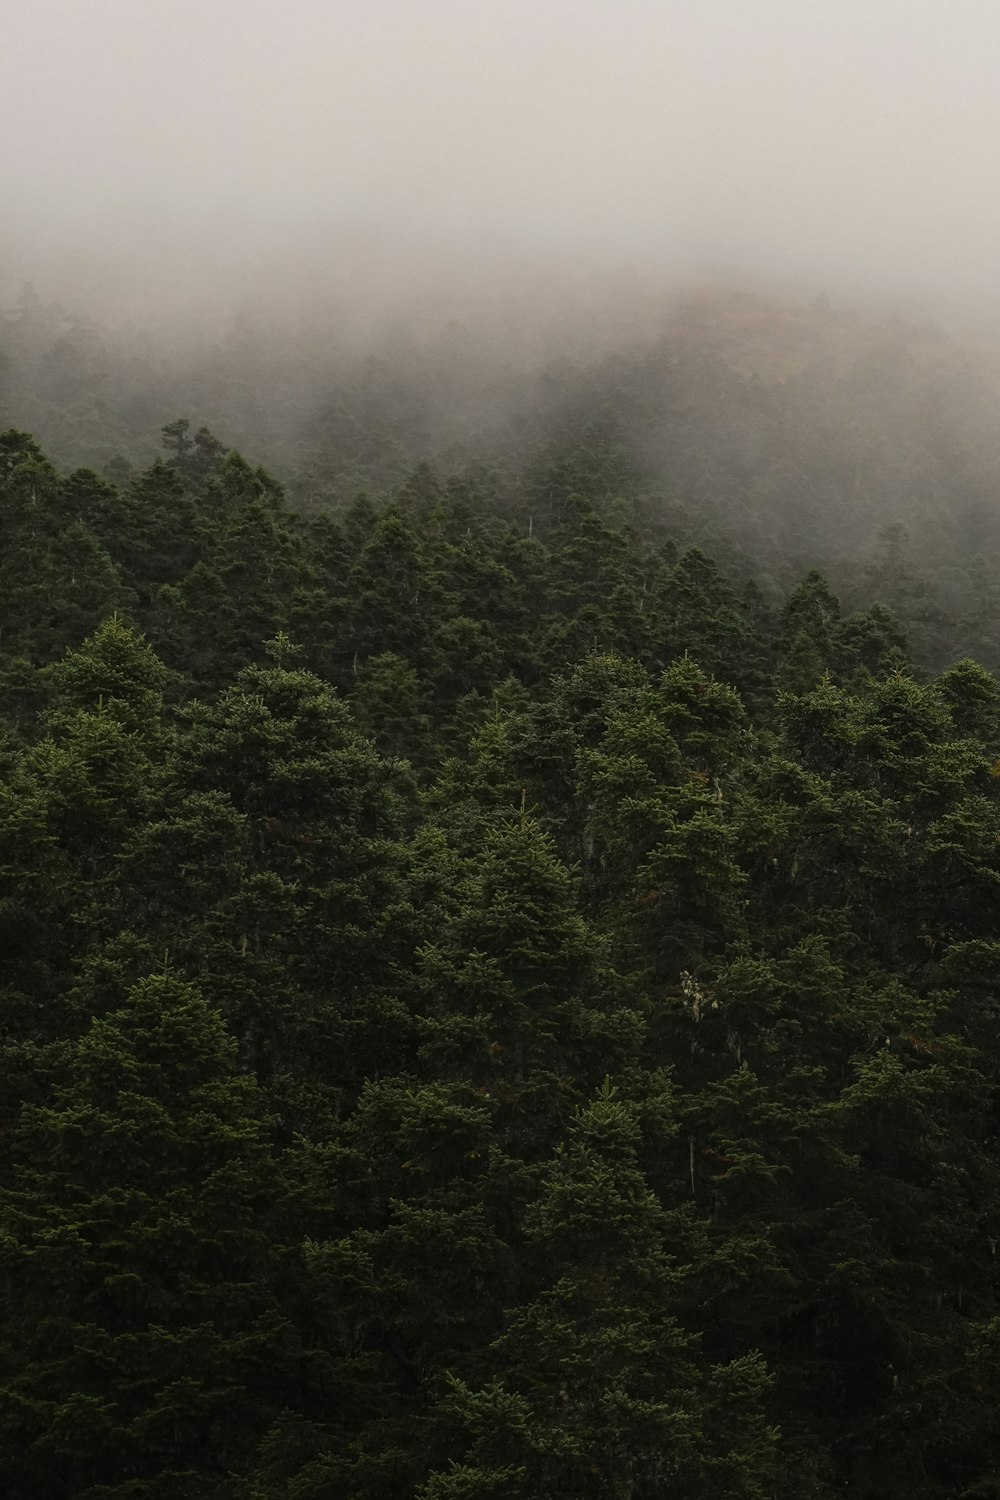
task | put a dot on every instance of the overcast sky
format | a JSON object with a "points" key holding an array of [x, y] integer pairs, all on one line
{"points": [[842, 137]]}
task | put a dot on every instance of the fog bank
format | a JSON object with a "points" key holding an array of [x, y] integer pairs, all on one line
{"points": [[160, 149]]}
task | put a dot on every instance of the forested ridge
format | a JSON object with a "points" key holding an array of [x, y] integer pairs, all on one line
{"points": [[778, 437], [497, 1002]]}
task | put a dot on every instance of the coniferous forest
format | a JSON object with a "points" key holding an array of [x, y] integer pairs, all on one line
{"points": [[497, 1001]]}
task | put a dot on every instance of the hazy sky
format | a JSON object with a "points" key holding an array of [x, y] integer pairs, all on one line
{"points": [[835, 136]]}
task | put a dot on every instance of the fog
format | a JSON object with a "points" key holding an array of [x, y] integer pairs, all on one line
{"points": [[156, 149], [727, 264], [352, 234]]}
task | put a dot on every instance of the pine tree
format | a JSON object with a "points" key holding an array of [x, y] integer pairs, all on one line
{"points": [[279, 807], [144, 1343], [520, 996], [598, 1390]]}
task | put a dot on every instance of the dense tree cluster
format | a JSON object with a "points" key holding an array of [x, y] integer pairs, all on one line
{"points": [[777, 438], [494, 1004]]}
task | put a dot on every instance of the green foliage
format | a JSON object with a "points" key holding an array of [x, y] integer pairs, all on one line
{"points": [[137, 1264], [494, 1003]]}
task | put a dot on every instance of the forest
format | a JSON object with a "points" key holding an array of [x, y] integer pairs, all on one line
{"points": [[498, 911]]}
